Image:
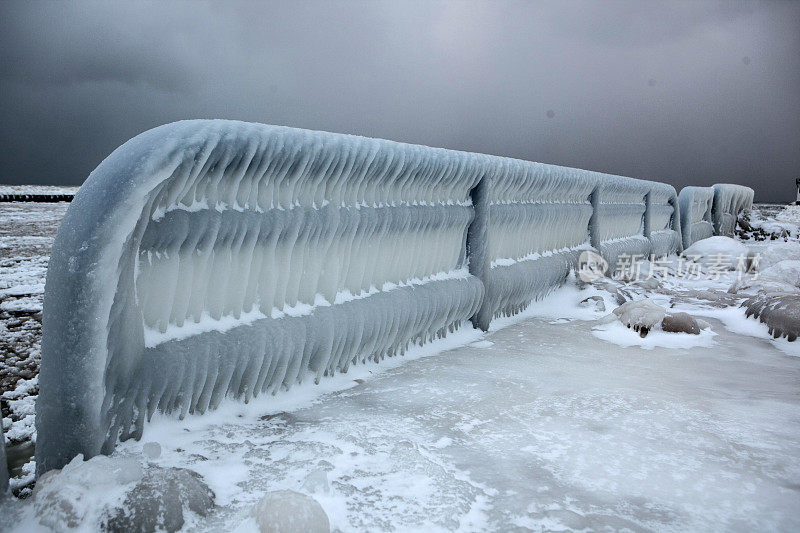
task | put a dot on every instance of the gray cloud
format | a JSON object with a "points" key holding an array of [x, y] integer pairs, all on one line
{"points": [[644, 89]]}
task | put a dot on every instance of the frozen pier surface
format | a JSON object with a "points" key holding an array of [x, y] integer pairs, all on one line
{"points": [[206, 259], [540, 425]]}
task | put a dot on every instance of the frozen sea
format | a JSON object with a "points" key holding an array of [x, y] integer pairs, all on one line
{"points": [[552, 421]]}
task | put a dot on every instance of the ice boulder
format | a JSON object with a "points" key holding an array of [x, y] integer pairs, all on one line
{"points": [[81, 492], [158, 501], [287, 511], [680, 323], [640, 315], [720, 252]]}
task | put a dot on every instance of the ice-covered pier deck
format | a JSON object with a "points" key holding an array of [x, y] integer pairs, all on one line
{"points": [[539, 425]]}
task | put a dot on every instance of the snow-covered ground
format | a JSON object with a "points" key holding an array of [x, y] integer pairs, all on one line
{"points": [[558, 419], [36, 190], [27, 230]]}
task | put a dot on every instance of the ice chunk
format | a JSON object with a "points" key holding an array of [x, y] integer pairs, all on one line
{"points": [[287, 511]]}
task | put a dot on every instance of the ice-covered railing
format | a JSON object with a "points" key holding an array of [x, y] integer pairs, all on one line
{"points": [[206, 259], [662, 224], [695, 207], [729, 201], [707, 211], [633, 219], [540, 217]]}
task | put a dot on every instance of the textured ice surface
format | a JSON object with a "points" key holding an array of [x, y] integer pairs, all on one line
{"points": [[696, 219], [729, 201], [206, 259], [779, 311]]}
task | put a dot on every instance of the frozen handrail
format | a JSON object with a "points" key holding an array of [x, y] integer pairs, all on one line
{"points": [[206, 259], [695, 206], [729, 201]]}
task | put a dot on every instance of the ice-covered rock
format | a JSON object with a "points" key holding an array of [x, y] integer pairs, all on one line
{"points": [[119, 494], [82, 491], [159, 500], [287, 511], [640, 315], [720, 252], [680, 323], [779, 311]]}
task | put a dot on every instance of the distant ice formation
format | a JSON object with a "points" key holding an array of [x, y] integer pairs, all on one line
{"points": [[205, 259], [729, 201], [707, 211], [695, 206]]}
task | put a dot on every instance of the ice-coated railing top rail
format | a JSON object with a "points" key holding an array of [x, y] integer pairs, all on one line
{"points": [[206, 259]]}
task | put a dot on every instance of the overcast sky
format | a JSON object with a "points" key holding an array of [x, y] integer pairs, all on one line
{"points": [[687, 93]]}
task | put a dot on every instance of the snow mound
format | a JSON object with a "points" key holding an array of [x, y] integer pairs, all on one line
{"points": [[774, 252], [118, 494], [782, 277], [78, 494], [158, 501], [719, 251]]}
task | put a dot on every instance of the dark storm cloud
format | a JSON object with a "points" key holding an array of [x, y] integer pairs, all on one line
{"points": [[688, 92]]}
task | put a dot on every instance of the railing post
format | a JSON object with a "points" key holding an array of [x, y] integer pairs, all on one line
{"points": [[478, 249], [594, 231]]}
